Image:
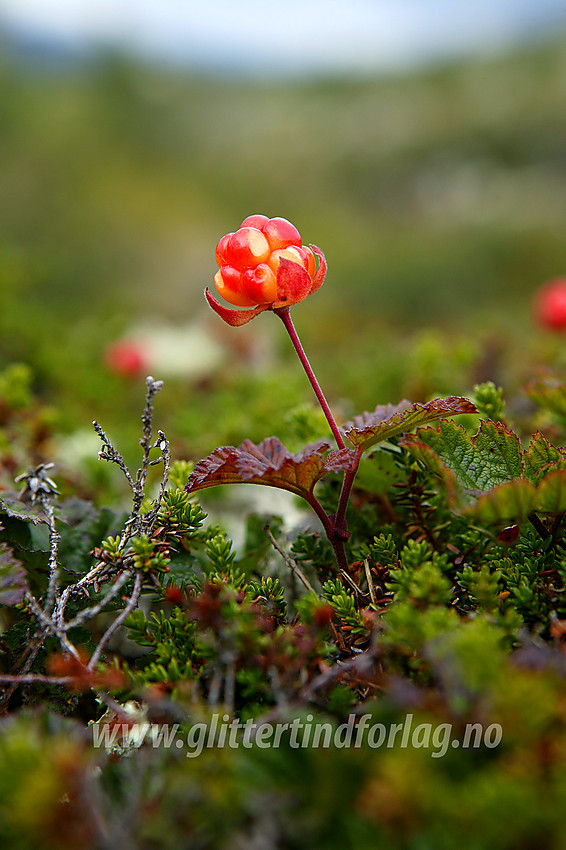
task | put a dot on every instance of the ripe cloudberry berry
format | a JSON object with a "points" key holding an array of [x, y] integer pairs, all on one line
{"points": [[264, 265], [550, 305]]}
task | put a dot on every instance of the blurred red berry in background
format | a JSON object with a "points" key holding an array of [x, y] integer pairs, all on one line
{"points": [[549, 305], [126, 358]]}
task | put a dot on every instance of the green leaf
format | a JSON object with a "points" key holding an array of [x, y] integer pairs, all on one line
{"points": [[509, 484], [491, 457], [511, 501], [542, 457], [551, 493], [184, 566], [12, 577], [13, 507], [389, 420], [15, 531]]}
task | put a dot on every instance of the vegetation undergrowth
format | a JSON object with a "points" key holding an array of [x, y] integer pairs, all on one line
{"points": [[390, 670]]}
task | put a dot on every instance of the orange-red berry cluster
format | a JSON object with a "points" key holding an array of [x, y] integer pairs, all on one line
{"points": [[250, 257]]}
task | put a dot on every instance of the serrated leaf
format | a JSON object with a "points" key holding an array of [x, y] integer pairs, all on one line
{"points": [[429, 458], [511, 501], [551, 493], [491, 457], [508, 484], [388, 421], [13, 507], [542, 457], [15, 532], [12, 577], [269, 463], [499, 451]]}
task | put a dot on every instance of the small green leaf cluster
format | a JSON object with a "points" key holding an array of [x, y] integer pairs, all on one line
{"points": [[146, 555], [306, 423], [179, 474], [269, 592], [489, 401], [314, 551], [349, 617], [382, 550], [113, 547], [181, 514], [221, 566], [171, 637]]}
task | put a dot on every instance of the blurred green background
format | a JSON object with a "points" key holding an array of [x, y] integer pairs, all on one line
{"points": [[438, 197]]}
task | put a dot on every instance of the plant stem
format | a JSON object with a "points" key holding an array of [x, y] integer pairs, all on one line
{"points": [[340, 553], [285, 316], [538, 525], [335, 536], [349, 476], [335, 531]]}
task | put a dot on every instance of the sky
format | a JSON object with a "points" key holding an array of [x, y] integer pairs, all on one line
{"points": [[288, 36]]}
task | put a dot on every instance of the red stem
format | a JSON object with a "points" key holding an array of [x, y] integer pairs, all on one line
{"points": [[285, 316], [349, 476], [335, 531]]}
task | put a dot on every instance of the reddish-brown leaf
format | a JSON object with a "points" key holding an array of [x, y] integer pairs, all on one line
{"points": [[390, 420], [235, 318], [269, 463]]}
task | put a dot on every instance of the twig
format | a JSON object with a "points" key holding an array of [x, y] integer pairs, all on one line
{"points": [[50, 624], [32, 651], [112, 454], [289, 561], [132, 602], [49, 612], [31, 678], [360, 664], [94, 610], [163, 444], [54, 538], [538, 525], [350, 581], [153, 386], [369, 580]]}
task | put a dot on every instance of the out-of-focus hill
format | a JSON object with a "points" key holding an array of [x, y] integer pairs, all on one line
{"points": [[438, 197], [418, 188]]}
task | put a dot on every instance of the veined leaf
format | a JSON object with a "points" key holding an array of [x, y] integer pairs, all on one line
{"points": [[542, 457], [491, 457], [269, 463], [12, 506], [389, 420], [488, 475]]}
